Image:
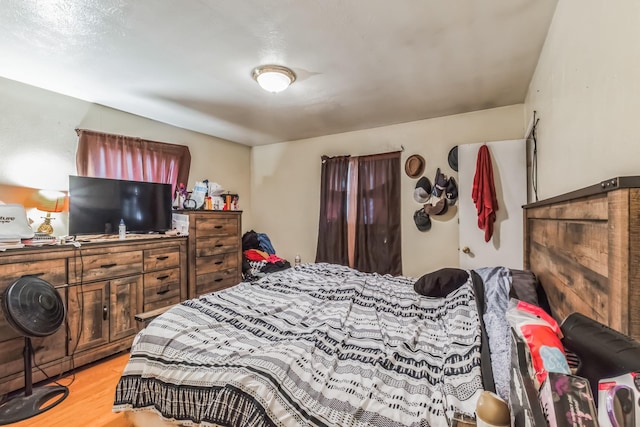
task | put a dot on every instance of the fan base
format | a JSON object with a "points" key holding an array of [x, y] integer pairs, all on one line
{"points": [[21, 407]]}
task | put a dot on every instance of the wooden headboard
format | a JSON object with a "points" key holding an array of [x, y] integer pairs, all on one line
{"points": [[584, 247]]}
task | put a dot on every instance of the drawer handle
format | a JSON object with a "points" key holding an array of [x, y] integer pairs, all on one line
{"points": [[163, 290], [218, 226], [219, 245], [162, 277], [218, 262], [33, 275], [108, 265], [162, 258], [218, 280], [105, 312]]}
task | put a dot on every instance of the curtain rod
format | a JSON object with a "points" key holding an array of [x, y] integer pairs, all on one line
{"points": [[136, 138], [324, 156], [78, 130]]}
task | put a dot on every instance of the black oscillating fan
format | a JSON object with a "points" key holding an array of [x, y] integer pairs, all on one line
{"points": [[33, 308]]}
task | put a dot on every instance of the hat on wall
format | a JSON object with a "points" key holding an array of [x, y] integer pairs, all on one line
{"points": [[422, 220], [439, 183], [440, 208], [451, 193], [453, 158], [414, 166], [422, 193]]}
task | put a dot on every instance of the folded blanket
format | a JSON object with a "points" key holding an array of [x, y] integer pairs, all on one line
{"points": [[497, 284]]}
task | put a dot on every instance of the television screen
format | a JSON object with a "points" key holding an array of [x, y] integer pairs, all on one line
{"points": [[96, 206]]}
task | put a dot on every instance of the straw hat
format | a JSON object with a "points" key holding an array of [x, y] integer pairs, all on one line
{"points": [[414, 166]]}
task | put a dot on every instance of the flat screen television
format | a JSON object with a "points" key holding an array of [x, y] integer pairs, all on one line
{"points": [[96, 206]]}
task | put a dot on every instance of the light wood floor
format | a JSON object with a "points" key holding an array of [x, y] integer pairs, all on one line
{"points": [[89, 401]]}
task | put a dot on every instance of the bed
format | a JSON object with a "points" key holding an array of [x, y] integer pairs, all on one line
{"points": [[584, 248], [325, 345], [318, 344]]}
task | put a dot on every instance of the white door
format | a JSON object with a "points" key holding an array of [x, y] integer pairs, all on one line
{"points": [[510, 179]]}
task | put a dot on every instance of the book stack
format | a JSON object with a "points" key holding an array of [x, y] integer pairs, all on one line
{"points": [[40, 239], [10, 243], [14, 226]]}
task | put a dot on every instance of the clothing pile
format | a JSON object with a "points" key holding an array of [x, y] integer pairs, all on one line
{"points": [[259, 257]]}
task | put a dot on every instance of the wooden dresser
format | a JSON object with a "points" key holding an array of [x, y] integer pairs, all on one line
{"points": [[104, 285], [215, 250]]}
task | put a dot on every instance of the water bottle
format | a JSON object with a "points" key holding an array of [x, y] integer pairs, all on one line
{"points": [[122, 230], [297, 260]]}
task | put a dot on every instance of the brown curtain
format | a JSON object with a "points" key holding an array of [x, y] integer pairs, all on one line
{"points": [[104, 155], [352, 212], [378, 247], [332, 229]]}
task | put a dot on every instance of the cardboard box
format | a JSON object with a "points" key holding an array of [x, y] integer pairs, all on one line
{"points": [[619, 397], [180, 223], [567, 400]]}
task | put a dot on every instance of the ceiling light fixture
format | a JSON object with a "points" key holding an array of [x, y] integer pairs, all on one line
{"points": [[273, 78]]}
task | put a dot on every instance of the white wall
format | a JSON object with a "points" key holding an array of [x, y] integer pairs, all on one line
{"points": [[38, 142], [586, 91], [285, 184]]}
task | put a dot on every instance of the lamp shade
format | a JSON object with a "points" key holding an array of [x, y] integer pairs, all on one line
{"points": [[273, 78], [50, 201]]}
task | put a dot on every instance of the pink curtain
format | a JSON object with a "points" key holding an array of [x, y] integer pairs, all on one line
{"points": [[104, 155]]}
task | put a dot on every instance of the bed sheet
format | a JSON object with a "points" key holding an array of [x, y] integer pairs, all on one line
{"points": [[318, 345]]}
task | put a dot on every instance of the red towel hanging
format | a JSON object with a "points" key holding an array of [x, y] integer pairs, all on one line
{"points": [[484, 193]]}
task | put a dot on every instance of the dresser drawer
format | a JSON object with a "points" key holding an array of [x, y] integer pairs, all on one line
{"points": [[159, 279], [210, 264], [162, 296], [161, 288], [161, 258], [104, 266], [216, 281], [208, 246], [172, 298], [217, 227], [53, 271], [46, 349]]}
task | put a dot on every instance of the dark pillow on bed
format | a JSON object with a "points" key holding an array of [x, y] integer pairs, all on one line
{"points": [[440, 283], [524, 286]]}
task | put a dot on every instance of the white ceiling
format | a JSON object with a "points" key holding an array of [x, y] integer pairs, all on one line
{"points": [[359, 63]]}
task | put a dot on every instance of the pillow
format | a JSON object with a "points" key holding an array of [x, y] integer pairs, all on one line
{"points": [[440, 283], [524, 285]]}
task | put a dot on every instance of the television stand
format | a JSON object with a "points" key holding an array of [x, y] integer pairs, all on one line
{"points": [[105, 283], [100, 238]]}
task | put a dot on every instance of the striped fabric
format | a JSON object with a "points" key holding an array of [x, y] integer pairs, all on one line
{"points": [[256, 266], [315, 345]]}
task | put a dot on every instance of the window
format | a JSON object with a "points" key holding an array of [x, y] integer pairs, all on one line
{"points": [[104, 155], [360, 213]]}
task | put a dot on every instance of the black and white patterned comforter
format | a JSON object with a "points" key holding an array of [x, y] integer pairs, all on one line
{"points": [[315, 345]]}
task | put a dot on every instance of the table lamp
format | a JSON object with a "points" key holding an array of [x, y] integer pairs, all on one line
{"points": [[49, 202]]}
